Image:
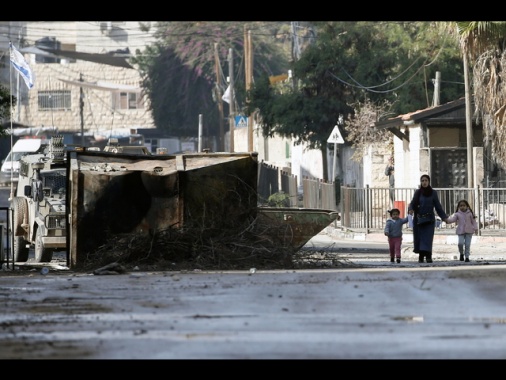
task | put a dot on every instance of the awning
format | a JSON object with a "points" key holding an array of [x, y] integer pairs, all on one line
{"points": [[104, 86], [31, 131], [105, 59], [37, 51], [104, 134]]}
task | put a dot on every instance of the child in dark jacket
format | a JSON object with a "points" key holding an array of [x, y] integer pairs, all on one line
{"points": [[393, 229]]}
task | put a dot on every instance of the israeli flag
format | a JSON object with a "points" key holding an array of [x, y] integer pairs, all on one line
{"points": [[20, 64]]}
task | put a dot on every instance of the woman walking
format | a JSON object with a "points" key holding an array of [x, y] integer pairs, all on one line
{"points": [[422, 206]]}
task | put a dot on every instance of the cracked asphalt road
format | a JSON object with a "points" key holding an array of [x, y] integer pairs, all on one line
{"points": [[378, 312]]}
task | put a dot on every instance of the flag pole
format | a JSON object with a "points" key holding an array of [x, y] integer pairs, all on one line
{"points": [[23, 69], [11, 114]]}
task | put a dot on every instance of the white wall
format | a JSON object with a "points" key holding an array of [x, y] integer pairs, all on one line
{"points": [[407, 159], [275, 151], [302, 161]]}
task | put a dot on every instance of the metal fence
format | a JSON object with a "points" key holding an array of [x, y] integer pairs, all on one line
{"points": [[315, 193], [366, 209], [318, 194]]}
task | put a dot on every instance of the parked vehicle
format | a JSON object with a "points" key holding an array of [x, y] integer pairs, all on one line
{"points": [[10, 166], [39, 217]]}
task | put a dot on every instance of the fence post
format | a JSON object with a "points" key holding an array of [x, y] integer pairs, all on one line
{"points": [[367, 207], [346, 207], [478, 197], [337, 189]]}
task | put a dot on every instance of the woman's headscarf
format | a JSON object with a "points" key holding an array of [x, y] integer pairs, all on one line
{"points": [[427, 191]]}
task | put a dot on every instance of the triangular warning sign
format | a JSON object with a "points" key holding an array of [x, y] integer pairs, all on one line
{"points": [[335, 137]]}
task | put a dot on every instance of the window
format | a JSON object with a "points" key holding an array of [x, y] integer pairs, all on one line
{"points": [[54, 100], [67, 47], [128, 101]]}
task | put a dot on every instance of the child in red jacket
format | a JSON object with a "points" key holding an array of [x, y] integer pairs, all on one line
{"points": [[393, 229]]}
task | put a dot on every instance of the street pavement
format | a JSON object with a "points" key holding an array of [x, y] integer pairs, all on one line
{"points": [[428, 312], [370, 309], [485, 250]]}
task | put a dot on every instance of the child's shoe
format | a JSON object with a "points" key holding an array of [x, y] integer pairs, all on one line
{"points": [[391, 259], [461, 257], [467, 259], [398, 260]]}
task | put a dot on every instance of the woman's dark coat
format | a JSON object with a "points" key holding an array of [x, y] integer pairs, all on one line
{"points": [[423, 235]]}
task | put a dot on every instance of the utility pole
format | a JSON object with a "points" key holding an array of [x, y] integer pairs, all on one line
{"points": [[221, 146], [232, 98], [81, 108], [248, 62], [296, 51], [199, 149], [469, 126], [437, 86]]}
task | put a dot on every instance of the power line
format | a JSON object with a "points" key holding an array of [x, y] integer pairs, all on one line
{"points": [[375, 91]]}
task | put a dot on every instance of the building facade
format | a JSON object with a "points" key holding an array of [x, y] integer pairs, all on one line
{"points": [[83, 82]]}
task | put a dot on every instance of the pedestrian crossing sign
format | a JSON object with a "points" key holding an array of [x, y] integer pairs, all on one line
{"points": [[335, 137], [241, 121]]}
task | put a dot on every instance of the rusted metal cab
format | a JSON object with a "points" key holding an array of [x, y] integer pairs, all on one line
{"points": [[117, 196], [112, 194]]}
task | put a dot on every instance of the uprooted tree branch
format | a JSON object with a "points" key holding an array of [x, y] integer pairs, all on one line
{"points": [[251, 245]]}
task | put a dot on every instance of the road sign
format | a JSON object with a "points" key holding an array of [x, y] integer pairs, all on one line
{"points": [[335, 137], [241, 121]]}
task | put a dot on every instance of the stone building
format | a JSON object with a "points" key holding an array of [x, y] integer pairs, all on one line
{"points": [[84, 84]]}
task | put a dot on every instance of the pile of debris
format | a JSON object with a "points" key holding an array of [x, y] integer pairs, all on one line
{"points": [[248, 246]]}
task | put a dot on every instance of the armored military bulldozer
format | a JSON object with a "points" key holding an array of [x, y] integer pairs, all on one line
{"points": [[39, 217]]}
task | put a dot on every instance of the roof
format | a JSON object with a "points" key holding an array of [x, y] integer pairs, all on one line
{"points": [[435, 114]]}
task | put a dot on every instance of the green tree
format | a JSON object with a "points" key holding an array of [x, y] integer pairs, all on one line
{"points": [[177, 94], [179, 71], [349, 63], [395, 61], [5, 107]]}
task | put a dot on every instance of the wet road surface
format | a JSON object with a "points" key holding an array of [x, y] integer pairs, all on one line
{"points": [[422, 313]]}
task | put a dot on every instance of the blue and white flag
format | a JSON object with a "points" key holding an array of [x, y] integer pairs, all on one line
{"points": [[20, 64]]}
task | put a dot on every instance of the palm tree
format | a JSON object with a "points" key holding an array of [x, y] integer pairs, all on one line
{"points": [[483, 43]]}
